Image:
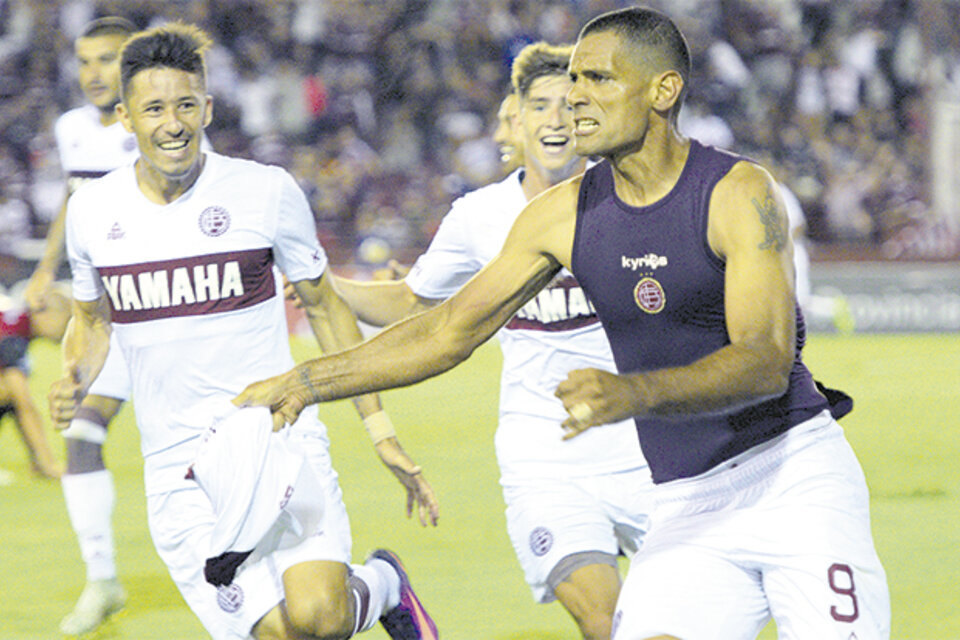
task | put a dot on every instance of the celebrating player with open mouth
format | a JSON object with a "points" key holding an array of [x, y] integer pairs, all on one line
{"points": [[180, 255]]}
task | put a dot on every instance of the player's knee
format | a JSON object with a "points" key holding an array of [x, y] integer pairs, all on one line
{"points": [[588, 585], [594, 616], [325, 614], [595, 622]]}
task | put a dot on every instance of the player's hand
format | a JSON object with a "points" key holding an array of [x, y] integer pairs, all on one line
{"points": [[594, 397], [393, 271], [64, 399], [410, 475], [38, 288], [285, 400]]}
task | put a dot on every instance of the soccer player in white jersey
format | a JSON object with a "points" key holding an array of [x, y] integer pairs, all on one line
{"points": [[567, 513], [180, 257], [509, 144], [91, 142]]}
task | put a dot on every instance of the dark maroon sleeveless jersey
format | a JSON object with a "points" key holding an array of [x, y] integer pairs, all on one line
{"points": [[658, 290]]}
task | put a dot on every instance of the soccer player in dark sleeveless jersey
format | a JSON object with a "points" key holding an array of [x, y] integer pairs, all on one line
{"points": [[567, 516], [177, 261], [684, 250], [91, 142]]}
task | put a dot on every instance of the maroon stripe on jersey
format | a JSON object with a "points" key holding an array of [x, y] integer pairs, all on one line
{"points": [[87, 175], [562, 306], [191, 286]]}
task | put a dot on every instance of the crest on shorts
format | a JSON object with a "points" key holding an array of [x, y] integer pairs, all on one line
{"points": [[214, 221], [541, 541], [230, 597], [649, 295]]}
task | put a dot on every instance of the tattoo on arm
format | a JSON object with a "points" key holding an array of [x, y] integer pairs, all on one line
{"points": [[305, 379], [774, 225]]}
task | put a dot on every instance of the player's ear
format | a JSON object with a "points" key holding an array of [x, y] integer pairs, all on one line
{"points": [[124, 116], [208, 116], [667, 86]]}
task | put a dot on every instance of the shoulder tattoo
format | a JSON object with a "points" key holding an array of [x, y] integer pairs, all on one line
{"points": [[774, 224]]}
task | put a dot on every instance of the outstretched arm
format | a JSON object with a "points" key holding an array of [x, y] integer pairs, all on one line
{"points": [[381, 302], [335, 328], [431, 342], [417, 348], [748, 229]]}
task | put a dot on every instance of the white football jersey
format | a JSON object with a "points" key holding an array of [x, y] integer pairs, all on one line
{"points": [[88, 149], [554, 333], [194, 286]]}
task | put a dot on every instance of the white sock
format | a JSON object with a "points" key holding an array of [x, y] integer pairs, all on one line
{"points": [[383, 591], [89, 498]]}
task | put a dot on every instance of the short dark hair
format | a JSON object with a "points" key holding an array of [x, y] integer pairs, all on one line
{"points": [[648, 29], [536, 61], [176, 45], [108, 26]]}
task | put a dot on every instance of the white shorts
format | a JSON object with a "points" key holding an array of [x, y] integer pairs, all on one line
{"points": [[114, 379], [782, 530], [550, 519], [181, 523]]}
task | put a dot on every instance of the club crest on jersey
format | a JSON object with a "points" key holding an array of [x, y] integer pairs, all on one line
{"points": [[649, 295], [214, 221], [541, 541], [230, 598]]}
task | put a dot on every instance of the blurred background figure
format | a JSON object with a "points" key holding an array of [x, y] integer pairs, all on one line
{"points": [[378, 108], [18, 326], [509, 143], [90, 141]]}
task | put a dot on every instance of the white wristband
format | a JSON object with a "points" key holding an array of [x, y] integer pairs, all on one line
{"points": [[379, 426]]}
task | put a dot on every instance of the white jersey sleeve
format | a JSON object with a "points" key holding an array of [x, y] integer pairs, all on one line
{"points": [[450, 259], [297, 250], [60, 136], [795, 216], [86, 280]]}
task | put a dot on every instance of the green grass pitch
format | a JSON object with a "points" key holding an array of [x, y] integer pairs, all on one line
{"points": [[905, 429]]}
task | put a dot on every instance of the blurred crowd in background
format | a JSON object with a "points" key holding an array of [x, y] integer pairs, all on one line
{"points": [[383, 109]]}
